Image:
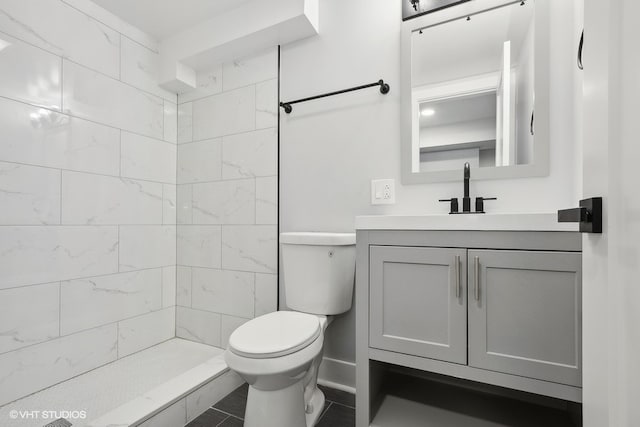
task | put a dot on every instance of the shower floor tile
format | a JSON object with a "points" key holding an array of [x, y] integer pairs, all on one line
{"points": [[106, 388]]}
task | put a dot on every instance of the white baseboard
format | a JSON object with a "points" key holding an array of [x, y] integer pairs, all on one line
{"points": [[338, 374]]}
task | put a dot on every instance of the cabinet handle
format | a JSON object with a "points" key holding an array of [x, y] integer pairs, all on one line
{"points": [[457, 273], [476, 286]]}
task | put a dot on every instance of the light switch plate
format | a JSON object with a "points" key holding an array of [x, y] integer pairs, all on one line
{"points": [[383, 192]]}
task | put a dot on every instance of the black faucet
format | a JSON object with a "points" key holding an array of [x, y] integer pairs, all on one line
{"points": [[466, 200]]}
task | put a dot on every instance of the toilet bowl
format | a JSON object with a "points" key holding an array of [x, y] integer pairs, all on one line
{"points": [[279, 354]]}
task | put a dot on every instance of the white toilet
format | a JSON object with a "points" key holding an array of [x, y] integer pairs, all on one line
{"points": [[279, 353]]}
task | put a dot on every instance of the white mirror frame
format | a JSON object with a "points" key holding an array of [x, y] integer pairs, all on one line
{"points": [[542, 66]]}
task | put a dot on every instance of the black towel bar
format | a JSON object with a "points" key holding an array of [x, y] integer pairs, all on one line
{"points": [[384, 89]]}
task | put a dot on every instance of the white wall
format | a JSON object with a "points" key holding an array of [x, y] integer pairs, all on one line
{"points": [[87, 189], [611, 338], [625, 223], [227, 198], [332, 148]]}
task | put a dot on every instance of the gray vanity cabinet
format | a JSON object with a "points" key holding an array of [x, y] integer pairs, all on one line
{"points": [[524, 313], [418, 302], [497, 308]]}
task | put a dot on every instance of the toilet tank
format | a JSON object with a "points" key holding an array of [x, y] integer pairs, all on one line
{"points": [[319, 271]]}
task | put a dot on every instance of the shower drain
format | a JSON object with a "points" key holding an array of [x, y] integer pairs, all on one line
{"points": [[60, 422]]}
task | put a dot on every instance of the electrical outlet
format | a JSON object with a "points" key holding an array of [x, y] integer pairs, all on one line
{"points": [[383, 192]]}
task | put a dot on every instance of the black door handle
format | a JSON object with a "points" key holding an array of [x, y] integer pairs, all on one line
{"points": [[580, 46], [532, 129], [574, 215], [589, 215]]}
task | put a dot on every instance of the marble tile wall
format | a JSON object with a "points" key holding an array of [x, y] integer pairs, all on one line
{"points": [[88, 165], [227, 199]]}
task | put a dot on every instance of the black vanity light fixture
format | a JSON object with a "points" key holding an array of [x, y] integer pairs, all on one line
{"points": [[384, 89]]}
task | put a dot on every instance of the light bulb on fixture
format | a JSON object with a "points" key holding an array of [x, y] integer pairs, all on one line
{"points": [[427, 112]]}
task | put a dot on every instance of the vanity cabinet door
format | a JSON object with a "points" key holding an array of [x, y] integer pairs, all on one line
{"points": [[418, 301], [525, 313]]}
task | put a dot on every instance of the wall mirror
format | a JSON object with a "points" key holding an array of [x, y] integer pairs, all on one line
{"points": [[475, 89]]}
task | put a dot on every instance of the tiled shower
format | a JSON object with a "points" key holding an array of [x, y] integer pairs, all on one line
{"points": [[129, 216], [227, 191]]}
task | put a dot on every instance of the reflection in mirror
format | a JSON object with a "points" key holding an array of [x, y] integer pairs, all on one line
{"points": [[472, 90]]}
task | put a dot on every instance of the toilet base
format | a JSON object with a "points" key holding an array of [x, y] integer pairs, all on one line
{"points": [[283, 408], [315, 406], [283, 391]]}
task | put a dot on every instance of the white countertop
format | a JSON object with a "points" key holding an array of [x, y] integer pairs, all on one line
{"points": [[482, 222]]}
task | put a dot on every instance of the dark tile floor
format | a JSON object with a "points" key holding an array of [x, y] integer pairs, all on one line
{"points": [[229, 412]]}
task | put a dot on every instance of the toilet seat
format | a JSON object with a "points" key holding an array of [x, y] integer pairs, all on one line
{"points": [[275, 335]]}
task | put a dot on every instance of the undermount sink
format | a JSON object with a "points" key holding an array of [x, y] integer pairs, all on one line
{"points": [[482, 222]]}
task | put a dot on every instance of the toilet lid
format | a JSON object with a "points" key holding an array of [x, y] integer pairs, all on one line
{"points": [[275, 334]]}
